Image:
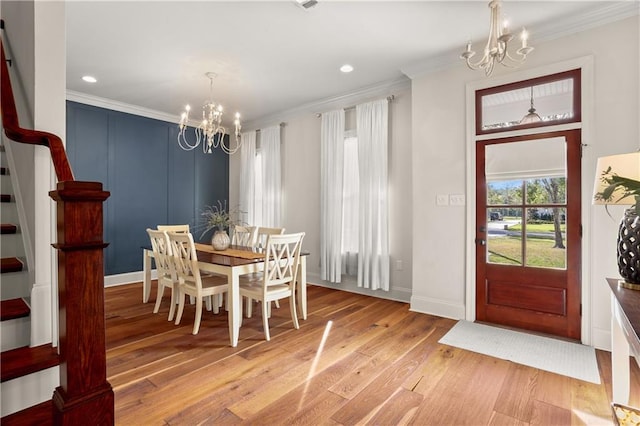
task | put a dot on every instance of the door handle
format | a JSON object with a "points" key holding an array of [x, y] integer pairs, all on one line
{"points": [[481, 241]]}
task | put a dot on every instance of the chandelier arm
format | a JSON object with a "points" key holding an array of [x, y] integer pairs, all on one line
{"points": [[228, 149], [183, 142]]}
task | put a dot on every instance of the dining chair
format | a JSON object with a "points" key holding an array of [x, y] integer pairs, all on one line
{"points": [[190, 281], [164, 265], [174, 228], [281, 261], [244, 235], [262, 233]]}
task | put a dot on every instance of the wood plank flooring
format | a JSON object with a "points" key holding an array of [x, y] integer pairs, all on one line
{"points": [[355, 360]]}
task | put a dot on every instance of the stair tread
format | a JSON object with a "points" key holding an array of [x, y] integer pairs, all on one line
{"points": [[5, 198], [10, 264], [39, 414], [25, 360], [13, 308], [8, 228]]}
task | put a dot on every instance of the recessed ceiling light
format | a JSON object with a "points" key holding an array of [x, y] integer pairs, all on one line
{"points": [[89, 79], [346, 68]]}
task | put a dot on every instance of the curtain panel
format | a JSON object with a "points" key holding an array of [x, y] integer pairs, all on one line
{"points": [[331, 178], [271, 179], [372, 125], [248, 178]]}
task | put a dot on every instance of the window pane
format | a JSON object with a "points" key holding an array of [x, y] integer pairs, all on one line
{"points": [[552, 101], [504, 242], [504, 192], [546, 238], [350, 196], [547, 191]]}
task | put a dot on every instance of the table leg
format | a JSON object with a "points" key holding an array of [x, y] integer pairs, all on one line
{"points": [[619, 357], [302, 286], [146, 271], [234, 306]]}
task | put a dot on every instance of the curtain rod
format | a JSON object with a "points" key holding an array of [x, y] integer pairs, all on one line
{"points": [[282, 124], [390, 98]]}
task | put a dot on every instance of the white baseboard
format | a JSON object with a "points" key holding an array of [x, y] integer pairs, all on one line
{"points": [[441, 308], [601, 339], [351, 285], [128, 278]]}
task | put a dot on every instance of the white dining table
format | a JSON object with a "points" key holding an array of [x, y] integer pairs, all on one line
{"points": [[232, 263]]}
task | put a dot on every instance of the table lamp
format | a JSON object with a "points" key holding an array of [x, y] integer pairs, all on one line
{"points": [[618, 182]]}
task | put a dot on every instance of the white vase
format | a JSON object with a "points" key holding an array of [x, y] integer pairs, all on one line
{"points": [[220, 240]]}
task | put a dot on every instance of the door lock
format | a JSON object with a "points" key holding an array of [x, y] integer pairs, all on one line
{"points": [[481, 241]]}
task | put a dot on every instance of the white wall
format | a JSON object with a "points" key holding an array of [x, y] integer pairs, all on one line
{"points": [[439, 138], [301, 187]]}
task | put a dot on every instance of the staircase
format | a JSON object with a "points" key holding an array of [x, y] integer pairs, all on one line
{"points": [[22, 368]]}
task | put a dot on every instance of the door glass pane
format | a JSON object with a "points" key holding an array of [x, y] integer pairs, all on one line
{"points": [[504, 238], [549, 190], [546, 238], [504, 192]]}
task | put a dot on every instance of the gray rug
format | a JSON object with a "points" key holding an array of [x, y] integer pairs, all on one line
{"points": [[557, 356]]}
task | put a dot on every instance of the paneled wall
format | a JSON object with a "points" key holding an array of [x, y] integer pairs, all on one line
{"points": [[152, 181]]}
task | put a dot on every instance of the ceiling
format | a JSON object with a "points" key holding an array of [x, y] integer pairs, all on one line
{"points": [[273, 56]]}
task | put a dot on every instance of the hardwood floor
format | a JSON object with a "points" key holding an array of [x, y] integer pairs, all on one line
{"points": [[355, 360]]}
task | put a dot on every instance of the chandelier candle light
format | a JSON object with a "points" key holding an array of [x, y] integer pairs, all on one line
{"points": [[210, 131], [497, 45]]}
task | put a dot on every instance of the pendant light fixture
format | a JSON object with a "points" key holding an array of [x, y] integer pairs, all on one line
{"points": [[532, 116]]}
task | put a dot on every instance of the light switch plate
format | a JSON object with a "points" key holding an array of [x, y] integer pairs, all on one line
{"points": [[456, 199], [442, 200]]}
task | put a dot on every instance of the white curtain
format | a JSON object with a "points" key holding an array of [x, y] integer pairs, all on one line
{"points": [[373, 258], [271, 176], [331, 175], [247, 177], [350, 206]]}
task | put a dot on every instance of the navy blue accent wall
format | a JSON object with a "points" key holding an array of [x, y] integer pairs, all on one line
{"points": [[152, 181]]}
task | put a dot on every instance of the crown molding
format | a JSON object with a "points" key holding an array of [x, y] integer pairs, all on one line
{"points": [[385, 88], [606, 14], [96, 101]]}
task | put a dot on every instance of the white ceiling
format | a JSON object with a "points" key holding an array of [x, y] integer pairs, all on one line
{"points": [[273, 56]]}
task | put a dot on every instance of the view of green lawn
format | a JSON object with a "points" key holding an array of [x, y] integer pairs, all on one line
{"points": [[507, 250], [537, 227]]}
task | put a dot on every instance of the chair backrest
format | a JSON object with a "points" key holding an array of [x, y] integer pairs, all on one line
{"points": [[282, 257], [174, 228], [161, 253], [262, 234], [244, 236], [184, 258]]}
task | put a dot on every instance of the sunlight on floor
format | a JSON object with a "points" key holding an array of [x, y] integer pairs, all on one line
{"points": [[314, 364], [590, 419]]}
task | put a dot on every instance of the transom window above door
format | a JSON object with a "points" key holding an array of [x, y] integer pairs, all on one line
{"points": [[543, 101]]}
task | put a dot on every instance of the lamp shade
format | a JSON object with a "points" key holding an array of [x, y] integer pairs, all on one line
{"points": [[623, 165]]}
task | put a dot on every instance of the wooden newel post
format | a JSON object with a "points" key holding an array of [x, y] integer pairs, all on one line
{"points": [[84, 395]]}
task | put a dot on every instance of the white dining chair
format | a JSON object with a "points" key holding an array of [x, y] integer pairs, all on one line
{"points": [[282, 258], [190, 281], [243, 235], [260, 241], [164, 265], [174, 228]]}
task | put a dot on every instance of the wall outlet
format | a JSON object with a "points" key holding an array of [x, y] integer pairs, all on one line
{"points": [[456, 199], [442, 200]]}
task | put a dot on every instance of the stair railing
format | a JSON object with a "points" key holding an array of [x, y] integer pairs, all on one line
{"points": [[84, 395]]}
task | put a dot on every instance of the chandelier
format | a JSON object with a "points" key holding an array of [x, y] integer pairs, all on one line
{"points": [[497, 45], [210, 132]]}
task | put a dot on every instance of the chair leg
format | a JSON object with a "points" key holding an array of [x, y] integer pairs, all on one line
{"points": [[249, 307], [265, 319], [181, 297], [277, 302], [172, 308], [159, 296], [196, 322], [210, 304], [215, 302], [294, 314]]}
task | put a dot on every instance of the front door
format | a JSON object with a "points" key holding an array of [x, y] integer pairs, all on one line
{"points": [[528, 232]]}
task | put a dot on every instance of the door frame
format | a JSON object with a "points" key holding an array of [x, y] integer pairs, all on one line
{"points": [[586, 66]]}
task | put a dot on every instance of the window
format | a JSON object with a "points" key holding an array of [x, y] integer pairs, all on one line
{"points": [[551, 100], [258, 179], [350, 207]]}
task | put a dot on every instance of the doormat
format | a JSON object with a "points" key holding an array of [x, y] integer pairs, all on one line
{"points": [[553, 355]]}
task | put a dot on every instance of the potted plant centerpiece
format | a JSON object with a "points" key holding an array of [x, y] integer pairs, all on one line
{"points": [[219, 218], [618, 184]]}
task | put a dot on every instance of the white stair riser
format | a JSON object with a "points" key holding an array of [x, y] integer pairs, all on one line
{"points": [[11, 246], [9, 213], [5, 184], [14, 285], [15, 333], [23, 392]]}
